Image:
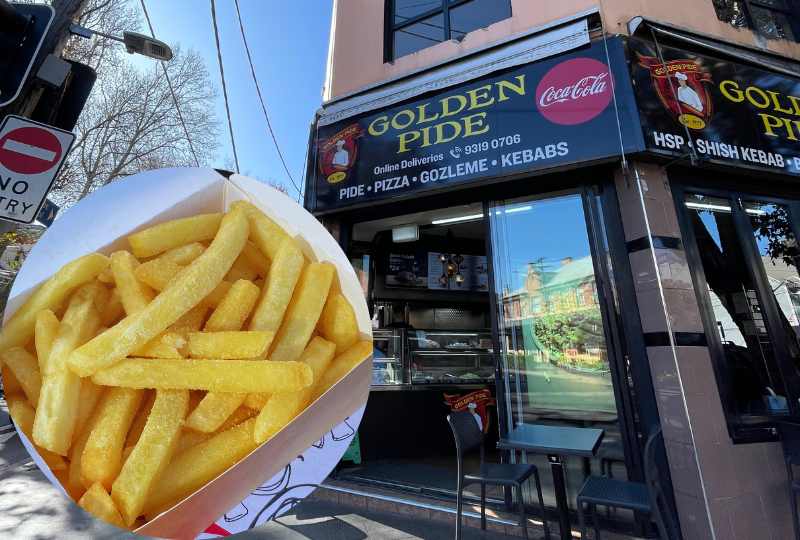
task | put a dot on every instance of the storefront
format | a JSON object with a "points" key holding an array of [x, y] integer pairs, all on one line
{"points": [[536, 241]]}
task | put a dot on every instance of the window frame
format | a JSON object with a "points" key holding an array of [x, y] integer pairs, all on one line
{"points": [[792, 14], [742, 429], [390, 27]]}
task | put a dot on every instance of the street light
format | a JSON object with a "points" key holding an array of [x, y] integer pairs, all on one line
{"points": [[134, 43]]}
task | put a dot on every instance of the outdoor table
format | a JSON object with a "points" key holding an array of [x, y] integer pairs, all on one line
{"points": [[556, 442]]}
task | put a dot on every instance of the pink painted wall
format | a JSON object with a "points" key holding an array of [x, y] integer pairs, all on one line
{"points": [[357, 56], [358, 40]]}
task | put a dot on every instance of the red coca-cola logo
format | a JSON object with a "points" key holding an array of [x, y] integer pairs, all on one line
{"points": [[574, 92]]}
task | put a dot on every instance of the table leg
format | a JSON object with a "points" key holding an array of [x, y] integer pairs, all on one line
{"points": [[560, 489]]}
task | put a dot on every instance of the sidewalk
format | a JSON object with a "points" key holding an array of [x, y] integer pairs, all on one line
{"points": [[33, 509]]}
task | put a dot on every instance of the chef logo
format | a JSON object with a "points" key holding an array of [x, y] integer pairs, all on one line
{"points": [[337, 154], [476, 402], [688, 80]]}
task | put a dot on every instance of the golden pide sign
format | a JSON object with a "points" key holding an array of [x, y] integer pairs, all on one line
{"points": [[539, 115], [733, 114]]}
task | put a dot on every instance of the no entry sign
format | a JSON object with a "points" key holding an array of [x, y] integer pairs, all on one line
{"points": [[31, 155]]}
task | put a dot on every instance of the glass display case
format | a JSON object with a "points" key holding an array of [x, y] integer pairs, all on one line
{"points": [[450, 357], [390, 367]]}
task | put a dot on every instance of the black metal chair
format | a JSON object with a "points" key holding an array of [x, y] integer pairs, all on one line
{"points": [[790, 441], [631, 495], [468, 438]]}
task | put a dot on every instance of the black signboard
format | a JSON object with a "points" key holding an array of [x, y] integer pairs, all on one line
{"points": [[553, 112], [734, 114]]}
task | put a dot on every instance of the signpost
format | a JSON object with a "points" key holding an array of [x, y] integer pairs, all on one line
{"points": [[31, 155], [47, 215]]}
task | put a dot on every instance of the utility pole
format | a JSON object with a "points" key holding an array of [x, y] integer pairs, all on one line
{"points": [[66, 14]]}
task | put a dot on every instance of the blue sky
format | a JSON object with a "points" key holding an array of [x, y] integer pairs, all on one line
{"points": [[289, 45]]}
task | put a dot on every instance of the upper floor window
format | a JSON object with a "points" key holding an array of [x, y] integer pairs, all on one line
{"points": [[776, 19], [413, 25]]}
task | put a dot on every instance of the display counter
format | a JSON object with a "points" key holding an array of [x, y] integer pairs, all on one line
{"points": [[431, 359]]}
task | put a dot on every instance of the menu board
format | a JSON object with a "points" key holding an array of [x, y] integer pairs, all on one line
{"points": [[408, 270], [473, 268]]}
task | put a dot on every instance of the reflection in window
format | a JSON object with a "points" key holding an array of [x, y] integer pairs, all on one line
{"points": [[776, 19], [751, 364], [419, 24]]}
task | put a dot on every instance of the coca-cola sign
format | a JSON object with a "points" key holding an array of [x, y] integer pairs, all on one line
{"points": [[574, 91]]}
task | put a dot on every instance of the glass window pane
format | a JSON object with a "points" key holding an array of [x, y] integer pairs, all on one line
{"points": [[477, 14], [771, 23], [731, 12], [419, 36], [553, 349], [558, 346], [778, 248], [751, 363], [408, 9]]}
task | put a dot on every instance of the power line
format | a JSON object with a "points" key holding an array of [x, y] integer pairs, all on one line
{"points": [[260, 98], [171, 91], [224, 89]]}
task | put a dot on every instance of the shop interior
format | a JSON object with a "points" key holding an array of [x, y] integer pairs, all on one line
{"points": [[434, 351], [429, 298]]}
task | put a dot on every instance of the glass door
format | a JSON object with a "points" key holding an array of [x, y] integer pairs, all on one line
{"points": [[744, 252], [555, 353]]}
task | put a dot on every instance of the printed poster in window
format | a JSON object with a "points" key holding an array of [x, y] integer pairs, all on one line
{"points": [[479, 272], [407, 270]]}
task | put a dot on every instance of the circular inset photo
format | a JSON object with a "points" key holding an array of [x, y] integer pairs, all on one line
{"points": [[185, 353]]}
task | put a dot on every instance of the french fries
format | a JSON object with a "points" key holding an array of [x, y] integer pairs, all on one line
{"points": [[175, 234], [97, 502], [339, 322], [282, 407], [228, 345], [142, 377], [101, 459], [57, 412], [26, 370], [19, 329], [303, 312], [134, 294], [183, 293], [151, 454], [47, 326], [202, 374], [183, 255]]}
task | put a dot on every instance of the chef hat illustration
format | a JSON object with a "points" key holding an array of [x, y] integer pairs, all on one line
{"points": [[679, 75], [340, 142]]}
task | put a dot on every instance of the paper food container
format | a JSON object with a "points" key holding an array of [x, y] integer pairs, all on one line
{"points": [[101, 222]]}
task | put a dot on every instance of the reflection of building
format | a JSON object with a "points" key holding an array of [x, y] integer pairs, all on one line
{"points": [[568, 289]]}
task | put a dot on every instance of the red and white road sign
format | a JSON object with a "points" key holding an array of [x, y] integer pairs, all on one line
{"points": [[31, 155]]}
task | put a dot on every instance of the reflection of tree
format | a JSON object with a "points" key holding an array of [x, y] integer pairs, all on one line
{"points": [[726, 272], [774, 227], [577, 330]]}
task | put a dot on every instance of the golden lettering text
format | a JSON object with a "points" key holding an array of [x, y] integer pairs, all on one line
{"points": [[775, 123], [417, 127]]}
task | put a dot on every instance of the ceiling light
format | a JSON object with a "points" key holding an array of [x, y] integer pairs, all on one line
{"points": [[471, 217]]}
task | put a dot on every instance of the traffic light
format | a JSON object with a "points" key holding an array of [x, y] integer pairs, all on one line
{"points": [[23, 27]]}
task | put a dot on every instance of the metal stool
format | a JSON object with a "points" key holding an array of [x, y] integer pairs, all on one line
{"points": [[468, 438], [622, 494]]}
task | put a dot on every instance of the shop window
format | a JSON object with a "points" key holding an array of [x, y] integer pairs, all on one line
{"points": [[749, 292], [775, 19], [413, 25]]}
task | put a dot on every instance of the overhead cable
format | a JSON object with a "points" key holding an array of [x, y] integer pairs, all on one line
{"points": [[224, 89], [171, 90], [260, 98]]}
